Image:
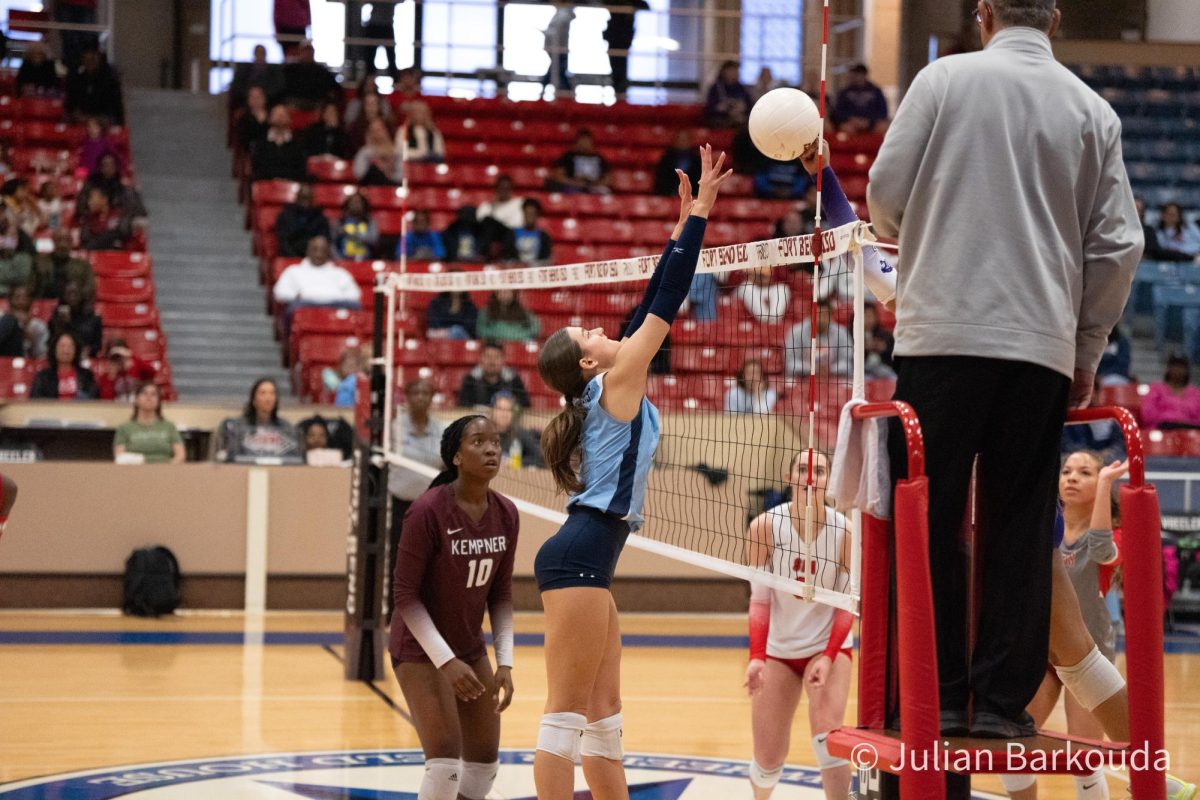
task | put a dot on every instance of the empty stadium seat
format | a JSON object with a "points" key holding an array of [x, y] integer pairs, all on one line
{"points": [[119, 264], [111, 289], [16, 378]]}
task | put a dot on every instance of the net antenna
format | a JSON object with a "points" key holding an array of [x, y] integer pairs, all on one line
{"points": [[709, 466], [810, 516]]}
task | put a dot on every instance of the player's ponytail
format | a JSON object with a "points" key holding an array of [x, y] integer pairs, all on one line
{"points": [[559, 367], [451, 442]]}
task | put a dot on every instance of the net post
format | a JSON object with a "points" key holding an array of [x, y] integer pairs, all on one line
{"points": [[366, 546], [858, 392]]}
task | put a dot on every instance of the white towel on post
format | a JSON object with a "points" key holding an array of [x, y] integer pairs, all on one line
{"points": [[861, 476]]}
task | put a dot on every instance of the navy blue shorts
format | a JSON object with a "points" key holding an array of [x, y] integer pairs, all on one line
{"points": [[584, 552]]}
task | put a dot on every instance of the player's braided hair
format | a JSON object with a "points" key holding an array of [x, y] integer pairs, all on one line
{"points": [[451, 442]]}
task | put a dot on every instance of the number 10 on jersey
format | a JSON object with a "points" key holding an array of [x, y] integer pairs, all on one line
{"points": [[478, 572]]}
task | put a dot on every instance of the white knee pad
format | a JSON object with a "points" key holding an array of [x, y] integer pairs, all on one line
{"points": [[1093, 680], [764, 778], [1017, 783], [441, 779], [561, 734], [602, 738], [824, 760], [477, 779]]}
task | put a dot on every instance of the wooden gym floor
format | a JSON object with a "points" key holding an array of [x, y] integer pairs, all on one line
{"points": [[89, 690]]}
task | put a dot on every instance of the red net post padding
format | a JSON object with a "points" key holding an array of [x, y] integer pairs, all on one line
{"points": [[873, 624]]}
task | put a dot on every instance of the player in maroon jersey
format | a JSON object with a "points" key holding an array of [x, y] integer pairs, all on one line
{"points": [[454, 559]]}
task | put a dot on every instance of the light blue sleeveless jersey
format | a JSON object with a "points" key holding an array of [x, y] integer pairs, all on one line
{"points": [[616, 457]]}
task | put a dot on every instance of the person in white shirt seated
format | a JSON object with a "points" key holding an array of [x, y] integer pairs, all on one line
{"points": [[766, 301], [752, 394], [504, 207], [424, 140], [316, 281]]}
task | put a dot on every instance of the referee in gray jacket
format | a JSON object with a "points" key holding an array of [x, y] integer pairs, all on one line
{"points": [[1002, 177]]}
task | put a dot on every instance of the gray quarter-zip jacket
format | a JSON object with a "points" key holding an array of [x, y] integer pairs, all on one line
{"points": [[1002, 177]]}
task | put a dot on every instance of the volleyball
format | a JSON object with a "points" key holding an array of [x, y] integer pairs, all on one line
{"points": [[783, 122]]}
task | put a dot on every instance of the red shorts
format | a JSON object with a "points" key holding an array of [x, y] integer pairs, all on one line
{"points": [[798, 665]]}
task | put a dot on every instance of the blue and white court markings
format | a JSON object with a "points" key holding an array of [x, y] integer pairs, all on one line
{"points": [[389, 775]]}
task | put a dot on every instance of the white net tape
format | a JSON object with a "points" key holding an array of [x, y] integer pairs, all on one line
{"points": [[713, 471]]}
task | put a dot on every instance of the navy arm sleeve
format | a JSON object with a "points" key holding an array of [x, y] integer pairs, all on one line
{"points": [[643, 308], [678, 272]]}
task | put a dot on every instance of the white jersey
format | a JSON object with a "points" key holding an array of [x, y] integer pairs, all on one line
{"points": [[800, 629]]}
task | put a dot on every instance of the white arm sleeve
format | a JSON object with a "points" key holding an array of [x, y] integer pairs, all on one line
{"points": [[501, 615], [418, 621]]}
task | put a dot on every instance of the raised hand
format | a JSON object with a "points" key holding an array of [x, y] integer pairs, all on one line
{"points": [[808, 159], [685, 202], [711, 178], [1113, 471]]}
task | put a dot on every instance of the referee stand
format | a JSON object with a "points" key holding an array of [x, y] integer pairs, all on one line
{"points": [[898, 674]]}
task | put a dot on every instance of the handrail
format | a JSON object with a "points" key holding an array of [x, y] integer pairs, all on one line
{"points": [[1129, 429], [914, 440]]}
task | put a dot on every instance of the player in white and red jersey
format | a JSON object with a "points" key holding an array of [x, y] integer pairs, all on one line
{"points": [[795, 645]]}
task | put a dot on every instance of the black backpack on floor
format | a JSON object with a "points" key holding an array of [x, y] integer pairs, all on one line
{"points": [[151, 582]]}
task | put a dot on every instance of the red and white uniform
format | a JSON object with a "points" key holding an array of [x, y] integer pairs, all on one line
{"points": [[801, 630]]}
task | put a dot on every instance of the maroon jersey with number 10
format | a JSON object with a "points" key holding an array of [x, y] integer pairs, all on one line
{"points": [[453, 567]]}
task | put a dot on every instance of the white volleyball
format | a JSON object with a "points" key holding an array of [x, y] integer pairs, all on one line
{"points": [[783, 123]]}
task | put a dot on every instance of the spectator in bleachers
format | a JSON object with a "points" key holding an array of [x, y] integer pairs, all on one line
{"points": [[580, 169], [355, 234], [50, 203], [861, 106], [767, 301], [318, 452], [316, 281], [64, 378], [416, 436], [98, 143], [531, 244], [520, 445], [420, 242], [38, 74], [1115, 363], [76, 43], [257, 74], [102, 227], [75, 315], [292, 18], [702, 296], [93, 90], [259, 432], [54, 270], [781, 180], [661, 363], [339, 435], [878, 345], [424, 141], [835, 348], [505, 206], [121, 196], [766, 82], [505, 319], [728, 103], [21, 333], [22, 206], [464, 239], [1173, 402], [148, 433], [796, 222], [364, 109], [482, 383], [15, 266], [407, 88], [254, 122], [343, 381], [6, 167], [119, 373], [1153, 251], [1175, 233], [753, 393], [377, 162], [278, 154], [325, 136], [307, 82], [298, 222], [680, 155], [451, 315]]}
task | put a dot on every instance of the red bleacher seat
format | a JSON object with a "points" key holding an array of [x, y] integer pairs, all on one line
{"points": [[40, 108], [771, 357], [148, 345], [390, 197], [330, 170], [119, 264], [124, 290], [560, 301], [128, 315], [332, 195], [440, 353], [274, 192], [521, 354], [16, 377], [634, 181], [701, 358], [51, 134]]}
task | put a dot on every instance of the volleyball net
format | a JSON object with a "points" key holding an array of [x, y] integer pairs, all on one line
{"points": [[742, 390]]}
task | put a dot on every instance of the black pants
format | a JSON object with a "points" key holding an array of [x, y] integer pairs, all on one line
{"points": [[1010, 414]]}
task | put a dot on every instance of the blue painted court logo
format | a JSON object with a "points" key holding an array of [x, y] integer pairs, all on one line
{"points": [[388, 775]]}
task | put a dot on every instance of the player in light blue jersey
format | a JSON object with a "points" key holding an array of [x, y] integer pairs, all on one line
{"points": [[610, 431]]}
